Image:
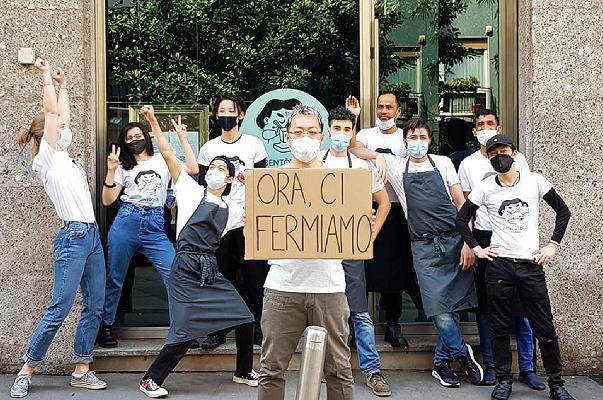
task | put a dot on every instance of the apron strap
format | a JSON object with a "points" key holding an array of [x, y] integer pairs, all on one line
{"points": [[347, 154]]}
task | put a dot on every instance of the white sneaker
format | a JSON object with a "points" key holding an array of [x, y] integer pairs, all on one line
{"points": [[151, 389], [20, 387]]}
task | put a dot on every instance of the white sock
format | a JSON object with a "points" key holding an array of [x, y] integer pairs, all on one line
{"points": [[78, 376]]}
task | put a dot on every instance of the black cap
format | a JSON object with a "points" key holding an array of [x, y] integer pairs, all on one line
{"points": [[497, 140]]}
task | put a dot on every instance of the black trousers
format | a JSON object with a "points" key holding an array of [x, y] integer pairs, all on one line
{"points": [[503, 277], [170, 355], [391, 304], [247, 276]]}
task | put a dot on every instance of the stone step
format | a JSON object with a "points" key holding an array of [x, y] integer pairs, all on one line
{"points": [[135, 355]]}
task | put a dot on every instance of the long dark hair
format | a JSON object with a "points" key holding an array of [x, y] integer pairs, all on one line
{"points": [[128, 161]]}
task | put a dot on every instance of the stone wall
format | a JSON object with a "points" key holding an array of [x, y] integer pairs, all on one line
{"points": [[61, 29], [561, 109]]}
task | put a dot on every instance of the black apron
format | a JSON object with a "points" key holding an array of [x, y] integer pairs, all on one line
{"points": [[201, 300], [436, 245], [355, 282], [391, 269]]}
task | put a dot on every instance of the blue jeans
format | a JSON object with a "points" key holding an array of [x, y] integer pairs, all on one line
{"points": [[78, 260], [134, 229], [523, 334], [364, 331], [451, 344]]}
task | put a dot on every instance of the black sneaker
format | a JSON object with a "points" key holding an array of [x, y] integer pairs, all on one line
{"points": [[213, 341], [393, 336], [559, 393], [194, 344], [443, 373], [105, 337], [474, 371], [502, 390], [250, 378], [532, 380]]}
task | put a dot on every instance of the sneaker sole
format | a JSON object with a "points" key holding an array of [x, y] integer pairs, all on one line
{"points": [[479, 367], [17, 395], [244, 381], [151, 394], [443, 382], [88, 386]]}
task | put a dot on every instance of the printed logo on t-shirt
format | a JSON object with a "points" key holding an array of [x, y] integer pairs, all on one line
{"points": [[148, 183], [515, 212], [384, 151]]}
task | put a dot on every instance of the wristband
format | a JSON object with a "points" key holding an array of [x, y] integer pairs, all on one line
{"points": [[105, 184], [554, 243]]}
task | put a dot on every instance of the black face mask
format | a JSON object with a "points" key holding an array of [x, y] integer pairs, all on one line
{"points": [[501, 163], [226, 123], [137, 146]]}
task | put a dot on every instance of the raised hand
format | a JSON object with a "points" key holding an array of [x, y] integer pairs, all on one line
{"points": [[113, 158], [42, 64], [148, 113], [179, 127], [352, 104], [58, 75]]}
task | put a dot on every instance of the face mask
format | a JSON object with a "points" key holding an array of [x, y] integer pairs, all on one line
{"points": [[215, 179], [339, 141], [501, 163], [484, 135], [417, 148], [227, 123], [65, 138], [137, 146], [305, 149], [385, 125]]}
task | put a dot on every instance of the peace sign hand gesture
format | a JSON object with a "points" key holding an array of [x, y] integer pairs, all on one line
{"points": [[113, 159], [179, 126]]}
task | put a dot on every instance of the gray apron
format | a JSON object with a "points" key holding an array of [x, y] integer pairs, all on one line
{"points": [[355, 282], [201, 300], [436, 245]]}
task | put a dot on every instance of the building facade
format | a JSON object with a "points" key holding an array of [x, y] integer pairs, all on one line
{"points": [[558, 105]]}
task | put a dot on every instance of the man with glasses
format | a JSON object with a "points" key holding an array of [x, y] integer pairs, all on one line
{"points": [[299, 293]]}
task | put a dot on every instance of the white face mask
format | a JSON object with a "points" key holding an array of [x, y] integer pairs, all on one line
{"points": [[65, 138], [305, 149], [484, 135], [215, 179], [385, 125]]}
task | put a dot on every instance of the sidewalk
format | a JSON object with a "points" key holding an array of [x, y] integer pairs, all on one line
{"points": [[218, 386]]}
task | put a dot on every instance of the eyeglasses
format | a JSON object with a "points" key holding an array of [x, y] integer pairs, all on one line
{"points": [[300, 133], [139, 136]]}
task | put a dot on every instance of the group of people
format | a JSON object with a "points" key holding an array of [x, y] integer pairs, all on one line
{"points": [[465, 241]]}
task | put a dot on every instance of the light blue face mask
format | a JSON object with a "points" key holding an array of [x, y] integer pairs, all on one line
{"points": [[215, 179], [417, 148], [339, 141]]}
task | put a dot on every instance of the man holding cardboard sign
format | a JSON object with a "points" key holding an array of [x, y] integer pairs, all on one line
{"points": [[311, 291]]}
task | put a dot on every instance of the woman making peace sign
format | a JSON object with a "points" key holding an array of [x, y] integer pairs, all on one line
{"points": [[144, 178]]}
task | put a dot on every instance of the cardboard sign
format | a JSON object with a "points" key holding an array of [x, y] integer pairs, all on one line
{"points": [[308, 213]]}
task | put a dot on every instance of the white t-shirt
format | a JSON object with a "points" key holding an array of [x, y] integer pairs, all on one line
{"points": [[393, 143], [396, 167], [146, 184], [513, 213], [189, 194], [342, 162], [306, 276], [65, 182], [476, 168], [243, 153]]}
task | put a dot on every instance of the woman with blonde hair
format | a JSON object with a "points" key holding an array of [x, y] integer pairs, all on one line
{"points": [[78, 259]]}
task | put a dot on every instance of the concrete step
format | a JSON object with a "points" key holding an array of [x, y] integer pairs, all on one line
{"points": [[135, 355]]}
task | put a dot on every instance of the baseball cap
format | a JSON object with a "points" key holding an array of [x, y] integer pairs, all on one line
{"points": [[497, 140]]}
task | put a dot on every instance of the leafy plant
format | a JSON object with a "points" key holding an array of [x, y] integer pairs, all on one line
{"points": [[470, 84], [401, 89], [192, 51]]}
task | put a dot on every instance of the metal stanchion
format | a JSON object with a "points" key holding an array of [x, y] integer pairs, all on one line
{"points": [[312, 361]]}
